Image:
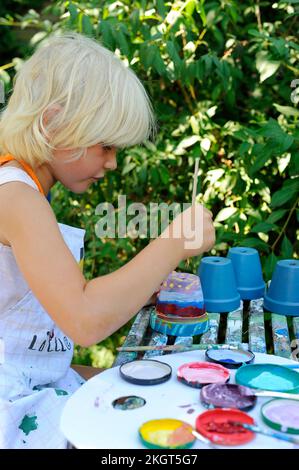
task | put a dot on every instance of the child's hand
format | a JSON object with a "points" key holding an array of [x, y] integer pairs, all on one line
{"points": [[192, 231]]}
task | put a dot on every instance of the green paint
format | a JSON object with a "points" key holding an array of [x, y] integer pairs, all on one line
{"points": [[59, 392], [28, 424]]}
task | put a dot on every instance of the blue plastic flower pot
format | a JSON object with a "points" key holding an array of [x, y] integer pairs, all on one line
{"points": [[283, 293], [248, 272], [218, 284]]}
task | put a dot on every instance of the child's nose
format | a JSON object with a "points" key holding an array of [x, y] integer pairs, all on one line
{"points": [[111, 164]]}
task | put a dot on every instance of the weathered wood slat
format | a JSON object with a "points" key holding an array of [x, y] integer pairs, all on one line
{"points": [[135, 336], [234, 326], [185, 340], [211, 336], [157, 339], [257, 337], [281, 337], [296, 327]]}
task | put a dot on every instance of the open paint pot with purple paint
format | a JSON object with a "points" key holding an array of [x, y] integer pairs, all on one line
{"points": [[230, 358], [227, 396], [198, 374], [166, 434], [145, 372], [282, 415]]}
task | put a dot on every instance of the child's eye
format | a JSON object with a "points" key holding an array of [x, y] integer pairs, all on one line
{"points": [[107, 148]]}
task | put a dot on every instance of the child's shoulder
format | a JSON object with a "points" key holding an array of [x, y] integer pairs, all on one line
{"points": [[18, 197]]}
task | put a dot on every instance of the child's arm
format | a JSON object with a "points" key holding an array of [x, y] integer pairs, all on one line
{"points": [[86, 311]]}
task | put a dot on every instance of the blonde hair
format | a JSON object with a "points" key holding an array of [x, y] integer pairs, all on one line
{"points": [[97, 100]]}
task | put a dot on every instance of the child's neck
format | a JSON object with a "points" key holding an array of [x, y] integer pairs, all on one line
{"points": [[43, 173]]}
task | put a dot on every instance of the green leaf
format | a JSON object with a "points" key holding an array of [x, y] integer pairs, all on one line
{"points": [[188, 141], [263, 227], [263, 154], [164, 174], [161, 8], [286, 248], [129, 167], [294, 164], [158, 62], [266, 65], [244, 147], [280, 141], [276, 215], [143, 173], [73, 12], [121, 41], [255, 243], [87, 27], [269, 266], [225, 214], [286, 110], [147, 55], [106, 33], [287, 192], [173, 54], [155, 176]]}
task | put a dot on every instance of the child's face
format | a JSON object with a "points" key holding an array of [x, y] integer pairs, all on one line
{"points": [[78, 175]]}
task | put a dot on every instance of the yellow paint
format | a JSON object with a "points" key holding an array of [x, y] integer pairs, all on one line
{"points": [[168, 433]]}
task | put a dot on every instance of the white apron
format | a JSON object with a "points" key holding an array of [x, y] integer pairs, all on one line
{"points": [[35, 375]]}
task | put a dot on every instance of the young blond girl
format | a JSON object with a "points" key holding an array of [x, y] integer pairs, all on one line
{"points": [[74, 104]]}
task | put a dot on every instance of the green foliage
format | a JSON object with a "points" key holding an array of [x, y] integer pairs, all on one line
{"points": [[222, 77]]}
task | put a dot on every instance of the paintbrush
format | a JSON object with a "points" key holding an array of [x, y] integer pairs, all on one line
{"points": [[194, 189], [176, 347], [266, 432]]}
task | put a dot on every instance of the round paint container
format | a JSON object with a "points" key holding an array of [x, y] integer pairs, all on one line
{"points": [[282, 415], [227, 396], [198, 374], [166, 434], [218, 426], [230, 358], [270, 377], [145, 372]]}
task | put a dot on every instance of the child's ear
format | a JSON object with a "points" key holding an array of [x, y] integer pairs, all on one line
{"points": [[50, 112]]}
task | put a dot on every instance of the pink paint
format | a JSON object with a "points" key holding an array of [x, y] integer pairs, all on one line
{"points": [[285, 413], [203, 373]]}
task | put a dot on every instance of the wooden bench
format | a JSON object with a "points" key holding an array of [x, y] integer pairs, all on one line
{"points": [[249, 325]]}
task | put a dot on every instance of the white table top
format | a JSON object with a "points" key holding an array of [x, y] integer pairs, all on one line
{"points": [[89, 420]]}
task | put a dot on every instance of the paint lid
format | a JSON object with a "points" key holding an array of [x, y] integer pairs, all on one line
{"points": [[230, 358], [282, 415], [227, 396], [218, 426], [145, 372], [198, 374], [166, 434], [270, 377]]}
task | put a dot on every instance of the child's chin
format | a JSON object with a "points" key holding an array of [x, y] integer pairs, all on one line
{"points": [[79, 188]]}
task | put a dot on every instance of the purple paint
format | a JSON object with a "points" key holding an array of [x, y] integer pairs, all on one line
{"points": [[227, 396], [283, 412]]}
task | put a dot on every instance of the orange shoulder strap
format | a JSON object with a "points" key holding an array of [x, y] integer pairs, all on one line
{"points": [[27, 168]]}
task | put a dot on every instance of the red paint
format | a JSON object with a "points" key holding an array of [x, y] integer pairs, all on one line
{"points": [[175, 309], [217, 425]]}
